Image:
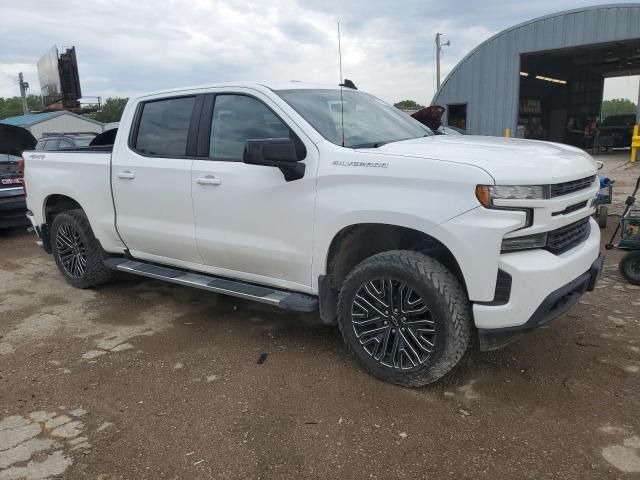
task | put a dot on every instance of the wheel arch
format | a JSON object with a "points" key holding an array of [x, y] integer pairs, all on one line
{"points": [[57, 203], [354, 243], [51, 206]]}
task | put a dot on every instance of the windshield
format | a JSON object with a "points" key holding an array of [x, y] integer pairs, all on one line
{"points": [[368, 121]]}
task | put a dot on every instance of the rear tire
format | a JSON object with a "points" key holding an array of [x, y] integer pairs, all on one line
{"points": [[76, 250], [630, 267], [404, 317]]}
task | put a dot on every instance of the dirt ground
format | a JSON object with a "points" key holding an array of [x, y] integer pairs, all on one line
{"points": [[145, 380]]}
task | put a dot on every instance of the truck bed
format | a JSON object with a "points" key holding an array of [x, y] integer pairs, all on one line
{"points": [[81, 175]]}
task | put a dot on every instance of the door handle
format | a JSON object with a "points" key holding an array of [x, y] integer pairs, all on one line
{"points": [[208, 180], [126, 175]]}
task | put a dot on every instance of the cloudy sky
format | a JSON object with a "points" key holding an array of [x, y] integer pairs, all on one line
{"points": [[126, 46]]}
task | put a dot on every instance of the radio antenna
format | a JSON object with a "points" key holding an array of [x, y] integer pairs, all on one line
{"points": [[340, 83]]}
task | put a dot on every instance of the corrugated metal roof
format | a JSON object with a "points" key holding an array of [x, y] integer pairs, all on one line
{"points": [[28, 120], [34, 118], [487, 79]]}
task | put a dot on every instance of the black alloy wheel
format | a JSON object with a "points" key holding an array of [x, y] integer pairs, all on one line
{"points": [[393, 323]]}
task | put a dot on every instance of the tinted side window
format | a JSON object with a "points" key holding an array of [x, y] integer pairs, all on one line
{"points": [[237, 118], [164, 127]]}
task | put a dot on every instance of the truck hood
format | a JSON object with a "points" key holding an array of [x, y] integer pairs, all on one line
{"points": [[508, 160]]}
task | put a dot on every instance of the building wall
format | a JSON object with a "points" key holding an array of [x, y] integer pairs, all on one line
{"points": [[64, 124], [488, 79]]}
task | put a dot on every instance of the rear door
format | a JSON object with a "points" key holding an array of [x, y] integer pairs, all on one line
{"points": [[151, 181]]}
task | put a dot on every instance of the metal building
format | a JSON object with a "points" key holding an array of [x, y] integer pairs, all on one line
{"points": [[543, 78], [50, 123]]}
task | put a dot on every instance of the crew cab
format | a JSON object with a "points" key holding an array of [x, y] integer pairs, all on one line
{"points": [[321, 198]]}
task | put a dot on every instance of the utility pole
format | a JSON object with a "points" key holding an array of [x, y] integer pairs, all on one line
{"points": [[438, 53], [638, 105], [23, 93]]}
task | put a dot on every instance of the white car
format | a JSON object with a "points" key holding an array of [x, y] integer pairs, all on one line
{"points": [[313, 197]]}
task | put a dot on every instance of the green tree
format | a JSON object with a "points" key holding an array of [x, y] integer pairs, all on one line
{"points": [[111, 110], [408, 105], [617, 106], [12, 106]]}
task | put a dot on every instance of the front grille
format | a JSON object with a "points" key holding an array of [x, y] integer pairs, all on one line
{"points": [[570, 209], [565, 188], [567, 237]]}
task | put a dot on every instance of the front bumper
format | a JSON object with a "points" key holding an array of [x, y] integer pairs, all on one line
{"points": [[557, 303], [544, 286]]}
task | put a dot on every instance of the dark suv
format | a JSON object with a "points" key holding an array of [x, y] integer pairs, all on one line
{"points": [[59, 142]]}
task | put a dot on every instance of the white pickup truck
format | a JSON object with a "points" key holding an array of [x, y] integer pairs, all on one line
{"points": [[314, 197]]}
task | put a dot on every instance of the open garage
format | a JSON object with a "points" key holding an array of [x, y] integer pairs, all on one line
{"points": [[544, 79]]}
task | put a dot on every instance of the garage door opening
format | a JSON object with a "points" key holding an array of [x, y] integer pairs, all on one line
{"points": [[561, 91], [618, 113], [457, 115]]}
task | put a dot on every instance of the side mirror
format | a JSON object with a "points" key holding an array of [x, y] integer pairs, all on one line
{"points": [[275, 152]]}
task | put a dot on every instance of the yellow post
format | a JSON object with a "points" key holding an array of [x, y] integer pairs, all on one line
{"points": [[635, 144], [507, 132]]}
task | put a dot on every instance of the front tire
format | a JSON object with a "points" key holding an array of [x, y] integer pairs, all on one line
{"points": [[76, 250], [630, 267], [405, 317]]}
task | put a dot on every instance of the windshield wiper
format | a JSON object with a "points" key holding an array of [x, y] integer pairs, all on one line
{"points": [[369, 145], [379, 144]]}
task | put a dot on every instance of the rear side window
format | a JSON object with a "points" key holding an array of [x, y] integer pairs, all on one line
{"points": [[164, 127]]}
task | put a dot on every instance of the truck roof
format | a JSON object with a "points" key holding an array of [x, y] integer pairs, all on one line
{"points": [[256, 85]]}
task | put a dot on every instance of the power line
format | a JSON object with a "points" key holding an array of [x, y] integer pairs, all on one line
{"points": [[15, 80]]}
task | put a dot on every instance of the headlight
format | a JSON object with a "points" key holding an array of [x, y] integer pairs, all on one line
{"points": [[538, 240], [486, 194]]}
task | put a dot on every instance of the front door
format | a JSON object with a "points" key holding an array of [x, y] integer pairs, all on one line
{"points": [[151, 181], [250, 222]]}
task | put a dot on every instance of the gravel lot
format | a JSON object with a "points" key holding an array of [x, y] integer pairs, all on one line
{"points": [[141, 379]]}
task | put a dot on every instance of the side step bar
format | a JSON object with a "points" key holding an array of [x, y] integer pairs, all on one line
{"points": [[298, 302]]}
